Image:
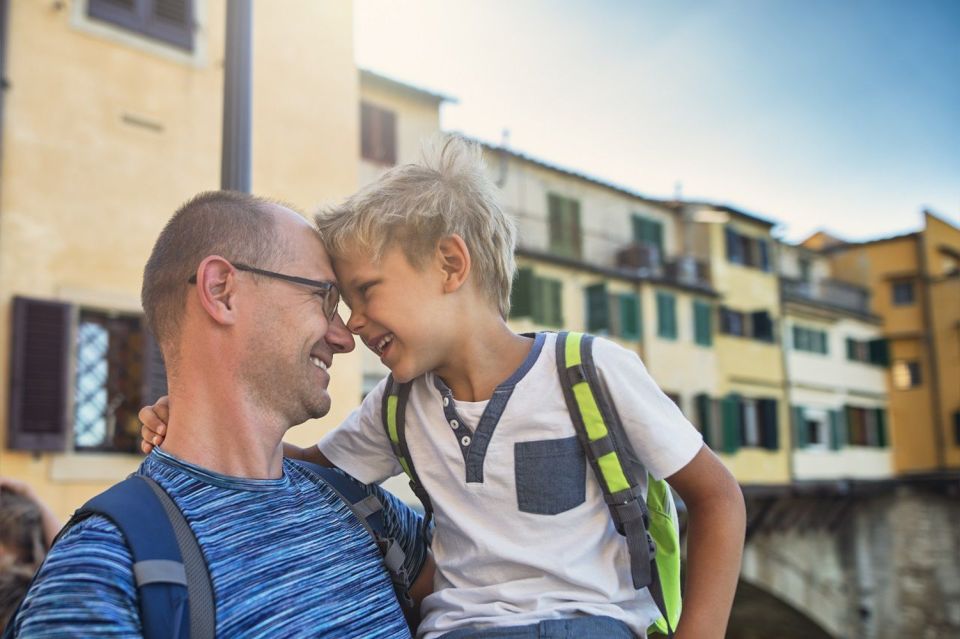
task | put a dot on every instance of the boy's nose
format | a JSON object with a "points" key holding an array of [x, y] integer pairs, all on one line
{"points": [[355, 322]]}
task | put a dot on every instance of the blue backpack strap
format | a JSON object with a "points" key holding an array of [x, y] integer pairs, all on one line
{"points": [[369, 510]]}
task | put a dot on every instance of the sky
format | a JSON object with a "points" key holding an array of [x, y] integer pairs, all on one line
{"points": [[841, 115]]}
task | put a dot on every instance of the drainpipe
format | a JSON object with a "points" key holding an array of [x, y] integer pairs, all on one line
{"points": [[926, 288], [235, 154], [4, 12]]}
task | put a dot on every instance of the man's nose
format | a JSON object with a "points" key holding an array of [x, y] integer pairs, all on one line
{"points": [[338, 336]]}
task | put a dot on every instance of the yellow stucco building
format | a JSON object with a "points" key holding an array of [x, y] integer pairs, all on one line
{"points": [[109, 124], [915, 284]]}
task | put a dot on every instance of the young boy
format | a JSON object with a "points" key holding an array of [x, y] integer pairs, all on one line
{"points": [[524, 544]]}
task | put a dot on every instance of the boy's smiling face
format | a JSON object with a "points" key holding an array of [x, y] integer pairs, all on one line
{"points": [[397, 309]]}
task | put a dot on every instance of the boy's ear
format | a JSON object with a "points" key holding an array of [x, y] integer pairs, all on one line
{"points": [[216, 289], [454, 259]]}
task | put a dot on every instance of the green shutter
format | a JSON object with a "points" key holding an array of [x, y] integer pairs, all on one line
{"points": [[574, 233], [702, 323], [730, 407], [564, 220], [881, 437], [598, 308], [879, 352], [556, 303], [521, 295], [851, 349], [629, 316], [767, 409], [703, 402], [666, 315], [800, 427], [837, 436]]}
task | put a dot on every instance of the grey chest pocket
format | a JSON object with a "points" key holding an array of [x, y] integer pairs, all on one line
{"points": [[551, 475]]}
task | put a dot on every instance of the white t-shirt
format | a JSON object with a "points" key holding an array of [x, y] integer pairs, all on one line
{"points": [[512, 552]]}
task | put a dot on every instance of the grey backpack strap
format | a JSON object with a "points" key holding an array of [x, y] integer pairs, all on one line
{"points": [[202, 604]]}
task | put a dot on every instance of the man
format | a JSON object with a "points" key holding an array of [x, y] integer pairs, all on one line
{"points": [[241, 297]]}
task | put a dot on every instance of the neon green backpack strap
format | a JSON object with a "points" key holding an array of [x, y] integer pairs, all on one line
{"points": [[652, 534], [393, 413]]}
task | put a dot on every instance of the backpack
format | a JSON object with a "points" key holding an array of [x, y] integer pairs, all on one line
{"points": [[651, 527], [173, 582]]}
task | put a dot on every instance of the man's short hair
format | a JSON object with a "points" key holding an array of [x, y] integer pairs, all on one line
{"points": [[236, 226], [416, 205]]}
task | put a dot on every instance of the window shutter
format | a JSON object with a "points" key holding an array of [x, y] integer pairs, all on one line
{"points": [[521, 295], [849, 419], [388, 136], [767, 409], [171, 21], [879, 352], [881, 425], [800, 427], [837, 435], [762, 326], [556, 303], [555, 218], [824, 343], [154, 370], [734, 253], [575, 239], [764, 250], [730, 407], [598, 312], [702, 402], [851, 349], [630, 316], [39, 375], [666, 315], [702, 323]]}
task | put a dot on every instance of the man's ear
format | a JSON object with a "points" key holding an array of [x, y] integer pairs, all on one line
{"points": [[454, 257], [217, 288]]}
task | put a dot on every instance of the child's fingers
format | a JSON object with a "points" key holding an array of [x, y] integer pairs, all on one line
{"points": [[162, 409], [146, 447]]}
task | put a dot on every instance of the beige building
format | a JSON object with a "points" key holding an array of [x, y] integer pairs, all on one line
{"points": [[837, 361], [110, 121]]}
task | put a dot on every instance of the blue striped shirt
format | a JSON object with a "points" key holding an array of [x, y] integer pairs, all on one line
{"points": [[286, 557]]}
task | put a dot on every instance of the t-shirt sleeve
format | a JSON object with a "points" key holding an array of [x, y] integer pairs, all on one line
{"points": [[85, 587], [663, 439], [360, 446]]}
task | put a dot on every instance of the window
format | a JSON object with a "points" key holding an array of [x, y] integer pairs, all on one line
{"points": [[906, 375], [757, 325], [749, 422], [649, 233], [702, 323], [613, 314], [378, 134], [865, 426], [564, 220], [810, 339], [708, 420], [903, 293], [117, 368], [956, 427], [805, 269], [811, 427], [538, 298], [747, 251], [666, 315], [875, 351], [168, 21]]}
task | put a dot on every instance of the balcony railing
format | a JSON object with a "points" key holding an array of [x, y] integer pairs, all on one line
{"points": [[646, 261], [832, 292]]}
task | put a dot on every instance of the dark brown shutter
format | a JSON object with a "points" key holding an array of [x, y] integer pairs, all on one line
{"points": [[388, 132], [154, 370], [39, 375], [170, 21]]}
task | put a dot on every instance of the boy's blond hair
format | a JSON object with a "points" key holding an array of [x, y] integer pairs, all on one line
{"points": [[416, 205]]}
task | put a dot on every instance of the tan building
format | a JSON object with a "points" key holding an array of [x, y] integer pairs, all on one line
{"points": [[112, 119], [750, 418], [914, 281]]}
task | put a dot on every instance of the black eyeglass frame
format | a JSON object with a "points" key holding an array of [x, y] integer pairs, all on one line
{"points": [[330, 309]]}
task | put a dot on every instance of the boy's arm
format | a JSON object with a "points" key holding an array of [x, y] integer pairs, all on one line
{"points": [[311, 454], [715, 537]]}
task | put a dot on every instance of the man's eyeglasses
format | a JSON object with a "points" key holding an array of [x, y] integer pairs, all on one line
{"points": [[327, 291]]}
